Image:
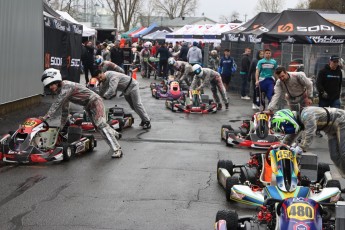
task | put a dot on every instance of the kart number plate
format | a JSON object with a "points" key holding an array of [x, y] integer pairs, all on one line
{"points": [[300, 211], [262, 117], [29, 123], [195, 92], [284, 154]]}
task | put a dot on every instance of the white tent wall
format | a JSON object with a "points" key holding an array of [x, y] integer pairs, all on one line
{"points": [[21, 43], [87, 32]]}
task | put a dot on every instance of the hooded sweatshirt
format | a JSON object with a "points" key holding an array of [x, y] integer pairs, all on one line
{"points": [[194, 55], [329, 81]]}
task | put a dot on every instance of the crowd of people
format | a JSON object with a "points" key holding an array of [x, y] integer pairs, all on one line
{"points": [[269, 82]]}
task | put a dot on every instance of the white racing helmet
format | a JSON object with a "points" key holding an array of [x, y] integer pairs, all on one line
{"points": [[50, 76], [171, 61], [197, 69]]}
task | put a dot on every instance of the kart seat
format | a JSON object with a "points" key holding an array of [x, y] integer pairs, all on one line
{"points": [[204, 99], [266, 172], [73, 134], [49, 137]]}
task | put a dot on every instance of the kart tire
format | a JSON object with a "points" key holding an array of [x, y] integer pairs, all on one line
{"points": [[156, 95], [225, 164], [231, 218], [226, 139], [230, 182], [92, 142], [321, 169], [68, 152], [333, 184], [225, 127]]}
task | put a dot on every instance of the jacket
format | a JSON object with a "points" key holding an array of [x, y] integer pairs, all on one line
{"points": [[194, 55], [226, 63], [116, 55], [329, 81]]}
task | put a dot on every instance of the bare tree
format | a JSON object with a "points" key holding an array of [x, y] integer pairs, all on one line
{"points": [[273, 6], [232, 17], [338, 5], [303, 4], [175, 8], [70, 6], [126, 10]]}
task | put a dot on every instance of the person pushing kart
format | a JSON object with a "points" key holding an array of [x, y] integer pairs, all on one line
{"points": [[311, 119], [76, 93], [111, 81], [205, 76], [107, 65], [183, 70]]}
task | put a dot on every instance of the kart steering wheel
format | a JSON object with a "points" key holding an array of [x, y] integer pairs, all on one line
{"points": [[45, 127]]}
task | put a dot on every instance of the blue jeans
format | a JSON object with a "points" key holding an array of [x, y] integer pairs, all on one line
{"points": [[267, 86], [329, 103]]}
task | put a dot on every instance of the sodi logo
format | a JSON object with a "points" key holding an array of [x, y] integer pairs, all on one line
{"points": [[285, 28]]}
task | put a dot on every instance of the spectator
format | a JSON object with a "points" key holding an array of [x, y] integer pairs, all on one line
{"points": [[116, 54], [98, 48], [144, 58], [87, 59], [264, 76], [176, 47], [105, 52], [164, 55], [225, 68], [244, 72], [252, 70], [213, 61], [194, 55], [111, 81], [329, 82], [183, 52]]}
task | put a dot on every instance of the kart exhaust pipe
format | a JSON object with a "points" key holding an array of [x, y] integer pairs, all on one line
{"points": [[223, 174]]}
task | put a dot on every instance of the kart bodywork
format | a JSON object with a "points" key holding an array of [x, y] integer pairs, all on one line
{"points": [[167, 90], [262, 177], [255, 133], [295, 213], [116, 118], [36, 142], [195, 103]]}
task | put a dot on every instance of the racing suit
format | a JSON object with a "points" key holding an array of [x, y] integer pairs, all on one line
{"points": [[110, 66], [211, 77], [297, 88], [93, 105], [130, 89], [329, 120], [183, 71], [144, 59]]}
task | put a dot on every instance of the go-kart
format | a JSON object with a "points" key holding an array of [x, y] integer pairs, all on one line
{"points": [[116, 118], [295, 213], [255, 133], [279, 173], [167, 90], [195, 103], [37, 142]]}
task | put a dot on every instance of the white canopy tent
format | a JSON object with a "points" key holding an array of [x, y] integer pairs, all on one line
{"points": [[87, 32]]}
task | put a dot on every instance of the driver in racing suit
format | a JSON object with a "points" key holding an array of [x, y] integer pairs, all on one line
{"points": [[183, 70], [205, 76], [107, 65], [76, 93], [329, 120], [295, 86]]}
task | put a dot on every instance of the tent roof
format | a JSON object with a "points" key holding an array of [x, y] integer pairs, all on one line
{"points": [[305, 27], [145, 31], [87, 32], [157, 35], [126, 34], [337, 19], [257, 21], [137, 31]]}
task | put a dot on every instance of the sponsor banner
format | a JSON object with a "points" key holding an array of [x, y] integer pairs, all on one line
{"points": [[324, 40]]}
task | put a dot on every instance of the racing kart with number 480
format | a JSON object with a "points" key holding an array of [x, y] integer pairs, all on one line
{"points": [[37, 142]]}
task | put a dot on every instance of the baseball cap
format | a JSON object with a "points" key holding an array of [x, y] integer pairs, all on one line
{"points": [[334, 58]]}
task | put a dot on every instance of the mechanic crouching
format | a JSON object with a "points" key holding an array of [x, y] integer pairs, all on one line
{"points": [[311, 119], [76, 93], [205, 76], [111, 81]]}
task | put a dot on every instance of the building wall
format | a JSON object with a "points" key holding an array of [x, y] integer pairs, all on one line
{"points": [[21, 45]]}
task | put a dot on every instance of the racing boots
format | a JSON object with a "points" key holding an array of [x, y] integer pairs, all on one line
{"points": [[145, 124], [219, 106], [117, 154]]}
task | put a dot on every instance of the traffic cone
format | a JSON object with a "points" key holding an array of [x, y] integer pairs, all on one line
{"points": [[134, 73]]}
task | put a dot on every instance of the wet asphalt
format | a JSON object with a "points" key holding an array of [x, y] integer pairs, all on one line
{"points": [[166, 179]]}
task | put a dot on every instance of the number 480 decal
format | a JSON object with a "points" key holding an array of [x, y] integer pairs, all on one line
{"points": [[300, 211]]}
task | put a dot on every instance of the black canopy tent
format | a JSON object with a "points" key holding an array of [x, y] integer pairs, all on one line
{"points": [[299, 27], [253, 23]]}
